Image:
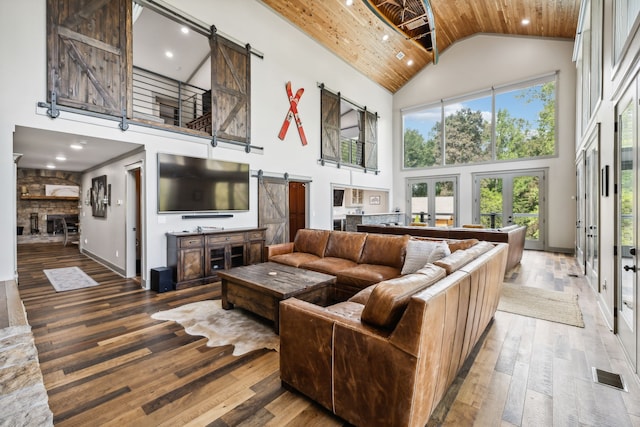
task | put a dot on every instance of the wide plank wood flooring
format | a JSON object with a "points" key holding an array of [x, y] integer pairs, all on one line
{"points": [[105, 361]]}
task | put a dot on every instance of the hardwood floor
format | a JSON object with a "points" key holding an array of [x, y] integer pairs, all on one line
{"points": [[106, 362]]}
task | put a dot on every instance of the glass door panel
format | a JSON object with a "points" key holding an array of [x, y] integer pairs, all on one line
{"points": [[580, 212], [491, 202], [627, 233], [526, 204], [433, 201], [592, 174], [419, 204], [445, 204]]}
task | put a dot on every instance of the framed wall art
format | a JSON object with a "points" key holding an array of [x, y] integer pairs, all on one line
{"points": [[99, 196]]}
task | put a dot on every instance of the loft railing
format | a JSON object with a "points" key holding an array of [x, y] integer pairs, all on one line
{"points": [[163, 100]]}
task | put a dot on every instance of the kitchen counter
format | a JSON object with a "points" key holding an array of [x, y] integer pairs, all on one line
{"points": [[352, 220]]}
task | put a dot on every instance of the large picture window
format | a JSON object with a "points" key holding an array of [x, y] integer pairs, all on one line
{"points": [[506, 123]]}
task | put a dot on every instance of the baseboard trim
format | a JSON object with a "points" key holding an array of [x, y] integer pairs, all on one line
{"points": [[560, 250], [106, 263]]}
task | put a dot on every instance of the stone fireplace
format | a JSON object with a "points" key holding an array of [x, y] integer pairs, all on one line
{"points": [[35, 203]]}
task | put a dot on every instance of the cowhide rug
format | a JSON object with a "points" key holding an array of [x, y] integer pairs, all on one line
{"points": [[222, 327]]}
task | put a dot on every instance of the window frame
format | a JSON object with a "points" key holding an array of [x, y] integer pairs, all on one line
{"points": [[493, 91]]}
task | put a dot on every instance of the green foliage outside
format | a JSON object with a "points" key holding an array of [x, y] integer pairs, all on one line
{"points": [[468, 134]]}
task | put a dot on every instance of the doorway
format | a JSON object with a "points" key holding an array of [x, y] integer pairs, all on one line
{"points": [[297, 207], [433, 201], [627, 218], [279, 211], [504, 199], [133, 222]]}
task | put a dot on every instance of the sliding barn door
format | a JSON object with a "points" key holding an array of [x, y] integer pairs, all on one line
{"points": [[273, 209], [89, 54], [230, 90]]}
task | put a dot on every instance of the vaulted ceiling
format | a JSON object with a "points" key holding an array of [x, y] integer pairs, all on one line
{"points": [[355, 33]]}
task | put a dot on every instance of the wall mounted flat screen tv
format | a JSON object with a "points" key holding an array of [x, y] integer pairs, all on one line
{"points": [[191, 184]]}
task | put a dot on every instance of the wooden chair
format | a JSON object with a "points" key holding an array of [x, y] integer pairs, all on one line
{"points": [[71, 233]]}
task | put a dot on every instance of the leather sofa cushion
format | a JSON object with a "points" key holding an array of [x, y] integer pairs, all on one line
{"points": [[390, 298], [364, 275], [363, 296], [345, 244], [480, 248], [455, 245], [454, 261], [381, 249], [294, 259], [347, 309], [329, 265], [421, 252], [311, 241]]}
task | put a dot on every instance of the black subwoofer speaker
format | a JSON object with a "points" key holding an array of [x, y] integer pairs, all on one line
{"points": [[161, 279]]}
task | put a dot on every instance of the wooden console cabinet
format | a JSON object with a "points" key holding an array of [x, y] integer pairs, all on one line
{"points": [[195, 258]]}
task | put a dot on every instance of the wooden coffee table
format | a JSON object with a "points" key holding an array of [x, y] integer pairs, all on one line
{"points": [[259, 288]]}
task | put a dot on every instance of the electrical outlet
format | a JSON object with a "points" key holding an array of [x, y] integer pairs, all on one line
{"points": [[117, 254], [604, 285]]}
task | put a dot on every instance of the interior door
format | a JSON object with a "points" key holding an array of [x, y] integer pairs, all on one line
{"points": [[273, 209], [433, 201], [297, 208], [503, 199], [627, 232]]}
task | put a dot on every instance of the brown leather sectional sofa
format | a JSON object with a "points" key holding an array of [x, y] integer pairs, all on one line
{"points": [[388, 354], [514, 235], [356, 259]]}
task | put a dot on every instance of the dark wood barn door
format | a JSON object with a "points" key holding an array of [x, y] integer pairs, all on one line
{"points": [[89, 54], [297, 208]]}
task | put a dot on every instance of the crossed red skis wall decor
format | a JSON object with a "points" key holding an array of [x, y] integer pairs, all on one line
{"points": [[293, 114]]}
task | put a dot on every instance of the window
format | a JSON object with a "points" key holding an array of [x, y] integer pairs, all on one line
{"points": [[625, 15], [467, 131], [525, 125], [349, 132], [510, 122], [588, 58]]}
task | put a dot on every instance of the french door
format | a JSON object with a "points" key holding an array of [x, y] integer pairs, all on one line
{"points": [[588, 209], [580, 212], [433, 201], [505, 198], [591, 211], [627, 218]]}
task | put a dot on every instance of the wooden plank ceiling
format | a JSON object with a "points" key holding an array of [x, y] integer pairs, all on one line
{"points": [[355, 34]]}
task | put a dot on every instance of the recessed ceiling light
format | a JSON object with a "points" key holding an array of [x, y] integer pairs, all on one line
{"points": [[348, 2], [61, 158], [169, 54], [76, 146], [410, 62], [184, 30], [51, 166], [400, 55], [385, 37], [525, 21]]}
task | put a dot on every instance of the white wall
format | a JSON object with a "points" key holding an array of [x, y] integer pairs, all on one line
{"points": [[288, 55], [480, 62]]}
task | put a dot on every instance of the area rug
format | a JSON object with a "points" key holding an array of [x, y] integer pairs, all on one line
{"points": [[69, 278], [222, 327], [23, 397], [554, 306]]}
